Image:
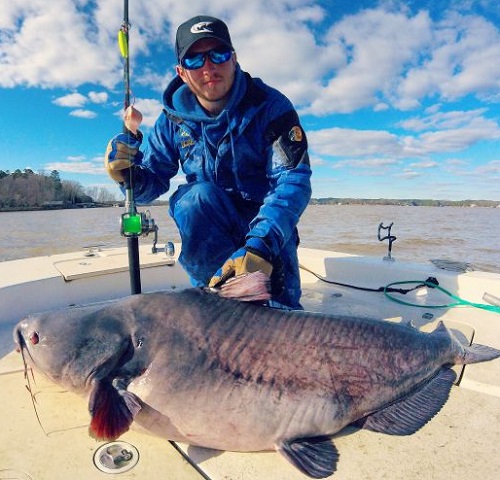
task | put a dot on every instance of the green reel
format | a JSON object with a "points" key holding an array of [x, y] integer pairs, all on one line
{"points": [[137, 224]]}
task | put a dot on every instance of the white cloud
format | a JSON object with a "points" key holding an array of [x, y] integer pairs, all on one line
{"points": [[491, 168], [54, 44], [150, 110], [154, 80], [378, 58], [440, 132], [81, 113], [283, 50], [458, 61], [71, 100], [424, 164], [83, 167], [408, 174], [391, 58], [456, 162], [344, 142], [76, 99], [453, 140], [366, 163], [316, 160], [98, 97], [443, 120], [376, 46]]}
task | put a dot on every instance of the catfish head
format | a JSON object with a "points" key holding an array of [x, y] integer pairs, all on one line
{"points": [[73, 347]]}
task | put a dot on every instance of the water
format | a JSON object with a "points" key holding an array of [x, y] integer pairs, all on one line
{"points": [[462, 234]]}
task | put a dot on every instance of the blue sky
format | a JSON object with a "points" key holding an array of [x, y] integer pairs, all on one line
{"points": [[399, 99]]}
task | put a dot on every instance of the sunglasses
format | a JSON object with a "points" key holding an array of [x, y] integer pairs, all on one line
{"points": [[197, 60]]}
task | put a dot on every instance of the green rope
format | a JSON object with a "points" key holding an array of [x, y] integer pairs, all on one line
{"points": [[459, 302]]}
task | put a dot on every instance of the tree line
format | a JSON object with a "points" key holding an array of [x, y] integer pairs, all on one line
{"points": [[404, 202], [29, 190]]}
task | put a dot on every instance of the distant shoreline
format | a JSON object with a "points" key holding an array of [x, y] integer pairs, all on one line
{"points": [[45, 208], [405, 202], [313, 201]]}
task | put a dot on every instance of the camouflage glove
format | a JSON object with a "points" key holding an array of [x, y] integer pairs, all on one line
{"points": [[122, 152], [245, 260]]}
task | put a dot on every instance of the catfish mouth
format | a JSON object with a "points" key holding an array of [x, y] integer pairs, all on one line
{"points": [[22, 348], [19, 340], [27, 358]]}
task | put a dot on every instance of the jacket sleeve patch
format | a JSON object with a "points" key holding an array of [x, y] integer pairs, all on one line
{"points": [[295, 134], [289, 142]]}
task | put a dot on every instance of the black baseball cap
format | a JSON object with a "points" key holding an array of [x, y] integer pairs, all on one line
{"points": [[197, 28]]}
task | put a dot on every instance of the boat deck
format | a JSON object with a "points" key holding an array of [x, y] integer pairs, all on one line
{"points": [[462, 440]]}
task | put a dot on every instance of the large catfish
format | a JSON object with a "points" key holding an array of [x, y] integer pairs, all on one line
{"points": [[209, 371]]}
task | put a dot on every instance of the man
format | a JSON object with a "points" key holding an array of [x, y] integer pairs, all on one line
{"points": [[243, 151]]}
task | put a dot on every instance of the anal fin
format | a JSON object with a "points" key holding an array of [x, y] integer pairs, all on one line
{"points": [[412, 412], [317, 457]]}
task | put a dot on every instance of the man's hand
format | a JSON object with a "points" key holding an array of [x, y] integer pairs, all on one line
{"points": [[244, 260], [122, 152]]}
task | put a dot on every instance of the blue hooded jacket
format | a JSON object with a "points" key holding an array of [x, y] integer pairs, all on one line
{"points": [[254, 149]]}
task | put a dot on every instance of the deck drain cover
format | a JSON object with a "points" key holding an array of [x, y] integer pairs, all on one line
{"points": [[116, 457]]}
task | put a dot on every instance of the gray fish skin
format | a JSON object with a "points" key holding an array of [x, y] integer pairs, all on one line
{"points": [[229, 375]]}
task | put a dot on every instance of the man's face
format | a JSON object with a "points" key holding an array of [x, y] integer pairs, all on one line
{"points": [[211, 83]]}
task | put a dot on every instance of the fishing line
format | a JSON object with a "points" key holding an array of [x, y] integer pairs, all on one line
{"points": [[402, 291], [123, 44], [389, 289], [459, 302]]}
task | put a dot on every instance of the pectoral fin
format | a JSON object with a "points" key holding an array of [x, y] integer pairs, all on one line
{"points": [[411, 413], [316, 457], [112, 411]]}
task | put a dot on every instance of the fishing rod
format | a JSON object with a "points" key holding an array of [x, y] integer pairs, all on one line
{"points": [[132, 224]]}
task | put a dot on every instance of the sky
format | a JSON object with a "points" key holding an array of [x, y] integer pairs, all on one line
{"points": [[399, 99]]}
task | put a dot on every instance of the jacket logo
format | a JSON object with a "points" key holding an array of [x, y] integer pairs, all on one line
{"points": [[186, 140], [202, 27], [295, 134]]}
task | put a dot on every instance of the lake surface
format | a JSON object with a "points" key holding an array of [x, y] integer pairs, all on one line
{"points": [[463, 234]]}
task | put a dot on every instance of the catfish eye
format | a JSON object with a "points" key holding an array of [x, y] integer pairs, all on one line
{"points": [[34, 338]]}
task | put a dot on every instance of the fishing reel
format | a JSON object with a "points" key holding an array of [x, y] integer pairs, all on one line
{"points": [[137, 224], [141, 224]]}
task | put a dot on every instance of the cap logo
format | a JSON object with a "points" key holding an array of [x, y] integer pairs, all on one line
{"points": [[202, 27]]}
